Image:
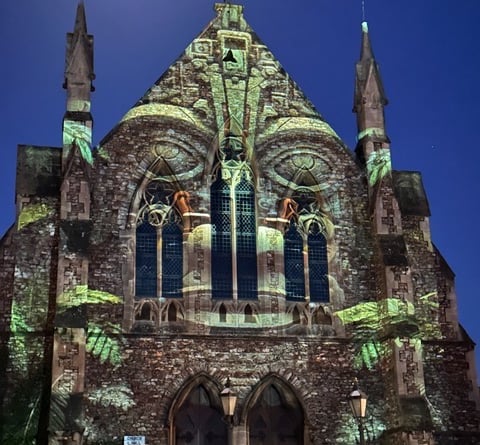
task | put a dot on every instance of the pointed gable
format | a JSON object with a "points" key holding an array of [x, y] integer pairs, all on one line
{"points": [[227, 81]]}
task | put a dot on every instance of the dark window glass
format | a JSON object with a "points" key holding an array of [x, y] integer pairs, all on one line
{"points": [[318, 265], [273, 421], [172, 261], [249, 318], [223, 313], [198, 422], [146, 261], [221, 239], [246, 240], [294, 266]]}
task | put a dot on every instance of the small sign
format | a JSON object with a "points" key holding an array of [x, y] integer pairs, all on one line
{"points": [[133, 440]]}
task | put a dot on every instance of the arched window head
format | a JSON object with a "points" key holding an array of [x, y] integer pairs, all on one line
{"points": [[222, 312], [172, 312], [146, 312], [295, 315], [248, 312]]}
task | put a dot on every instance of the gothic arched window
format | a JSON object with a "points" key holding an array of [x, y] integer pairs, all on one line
{"points": [[305, 258], [159, 247], [234, 247]]}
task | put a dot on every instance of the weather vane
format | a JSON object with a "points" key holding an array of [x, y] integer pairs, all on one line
{"points": [[363, 10]]}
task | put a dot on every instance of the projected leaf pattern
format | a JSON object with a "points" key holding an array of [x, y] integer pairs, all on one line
{"points": [[118, 396], [368, 319], [19, 425], [32, 213], [378, 166], [76, 133], [103, 342]]}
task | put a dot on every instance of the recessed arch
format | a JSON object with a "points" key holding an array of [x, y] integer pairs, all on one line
{"points": [[274, 413], [196, 413]]}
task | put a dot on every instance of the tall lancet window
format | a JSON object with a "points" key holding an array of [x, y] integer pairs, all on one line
{"points": [[234, 246], [305, 250], [146, 260], [159, 245], [221, 210], [317, 264], [294, 263], [246, 238]]}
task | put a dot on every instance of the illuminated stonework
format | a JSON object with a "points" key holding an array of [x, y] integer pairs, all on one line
{"points": [[223, 232]]}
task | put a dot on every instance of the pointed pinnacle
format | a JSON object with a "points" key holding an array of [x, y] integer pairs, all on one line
{"points": [[80, 19], [366, 51]]}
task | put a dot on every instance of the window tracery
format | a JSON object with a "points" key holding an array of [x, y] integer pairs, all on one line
{"points": [[234, 249], [305, 247], [159, 242]]}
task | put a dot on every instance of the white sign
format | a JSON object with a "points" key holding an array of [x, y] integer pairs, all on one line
{"points": [[133, 440]]}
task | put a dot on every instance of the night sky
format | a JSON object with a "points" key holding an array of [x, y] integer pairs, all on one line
{"points": [[429, 56]]}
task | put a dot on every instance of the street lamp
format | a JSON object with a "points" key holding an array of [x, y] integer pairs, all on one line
{"points": [[358, 404], [229, 400]]}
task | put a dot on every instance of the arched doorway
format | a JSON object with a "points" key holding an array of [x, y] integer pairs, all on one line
{"points": [[276, 417], [198, 421]]}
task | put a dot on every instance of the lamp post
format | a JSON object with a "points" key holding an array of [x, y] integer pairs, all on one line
{"points": [[229, 400], [358, 404]]}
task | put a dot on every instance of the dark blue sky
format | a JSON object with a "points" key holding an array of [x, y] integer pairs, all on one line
{"points": [[429, 55]]}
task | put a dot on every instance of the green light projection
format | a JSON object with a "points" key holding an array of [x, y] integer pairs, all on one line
{"points": [[164, 110], [32, 213], [378, 166], [369, 319], [79, 105], [298, 123], [103, 342], [103, 153], [79, 134], [372, 131], [25, 355]]}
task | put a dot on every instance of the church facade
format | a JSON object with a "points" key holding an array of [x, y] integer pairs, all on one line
{"points": [[223, 238]]}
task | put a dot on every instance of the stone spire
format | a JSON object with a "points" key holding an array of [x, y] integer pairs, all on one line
{"points": [[369, 98], [79, 64]]}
